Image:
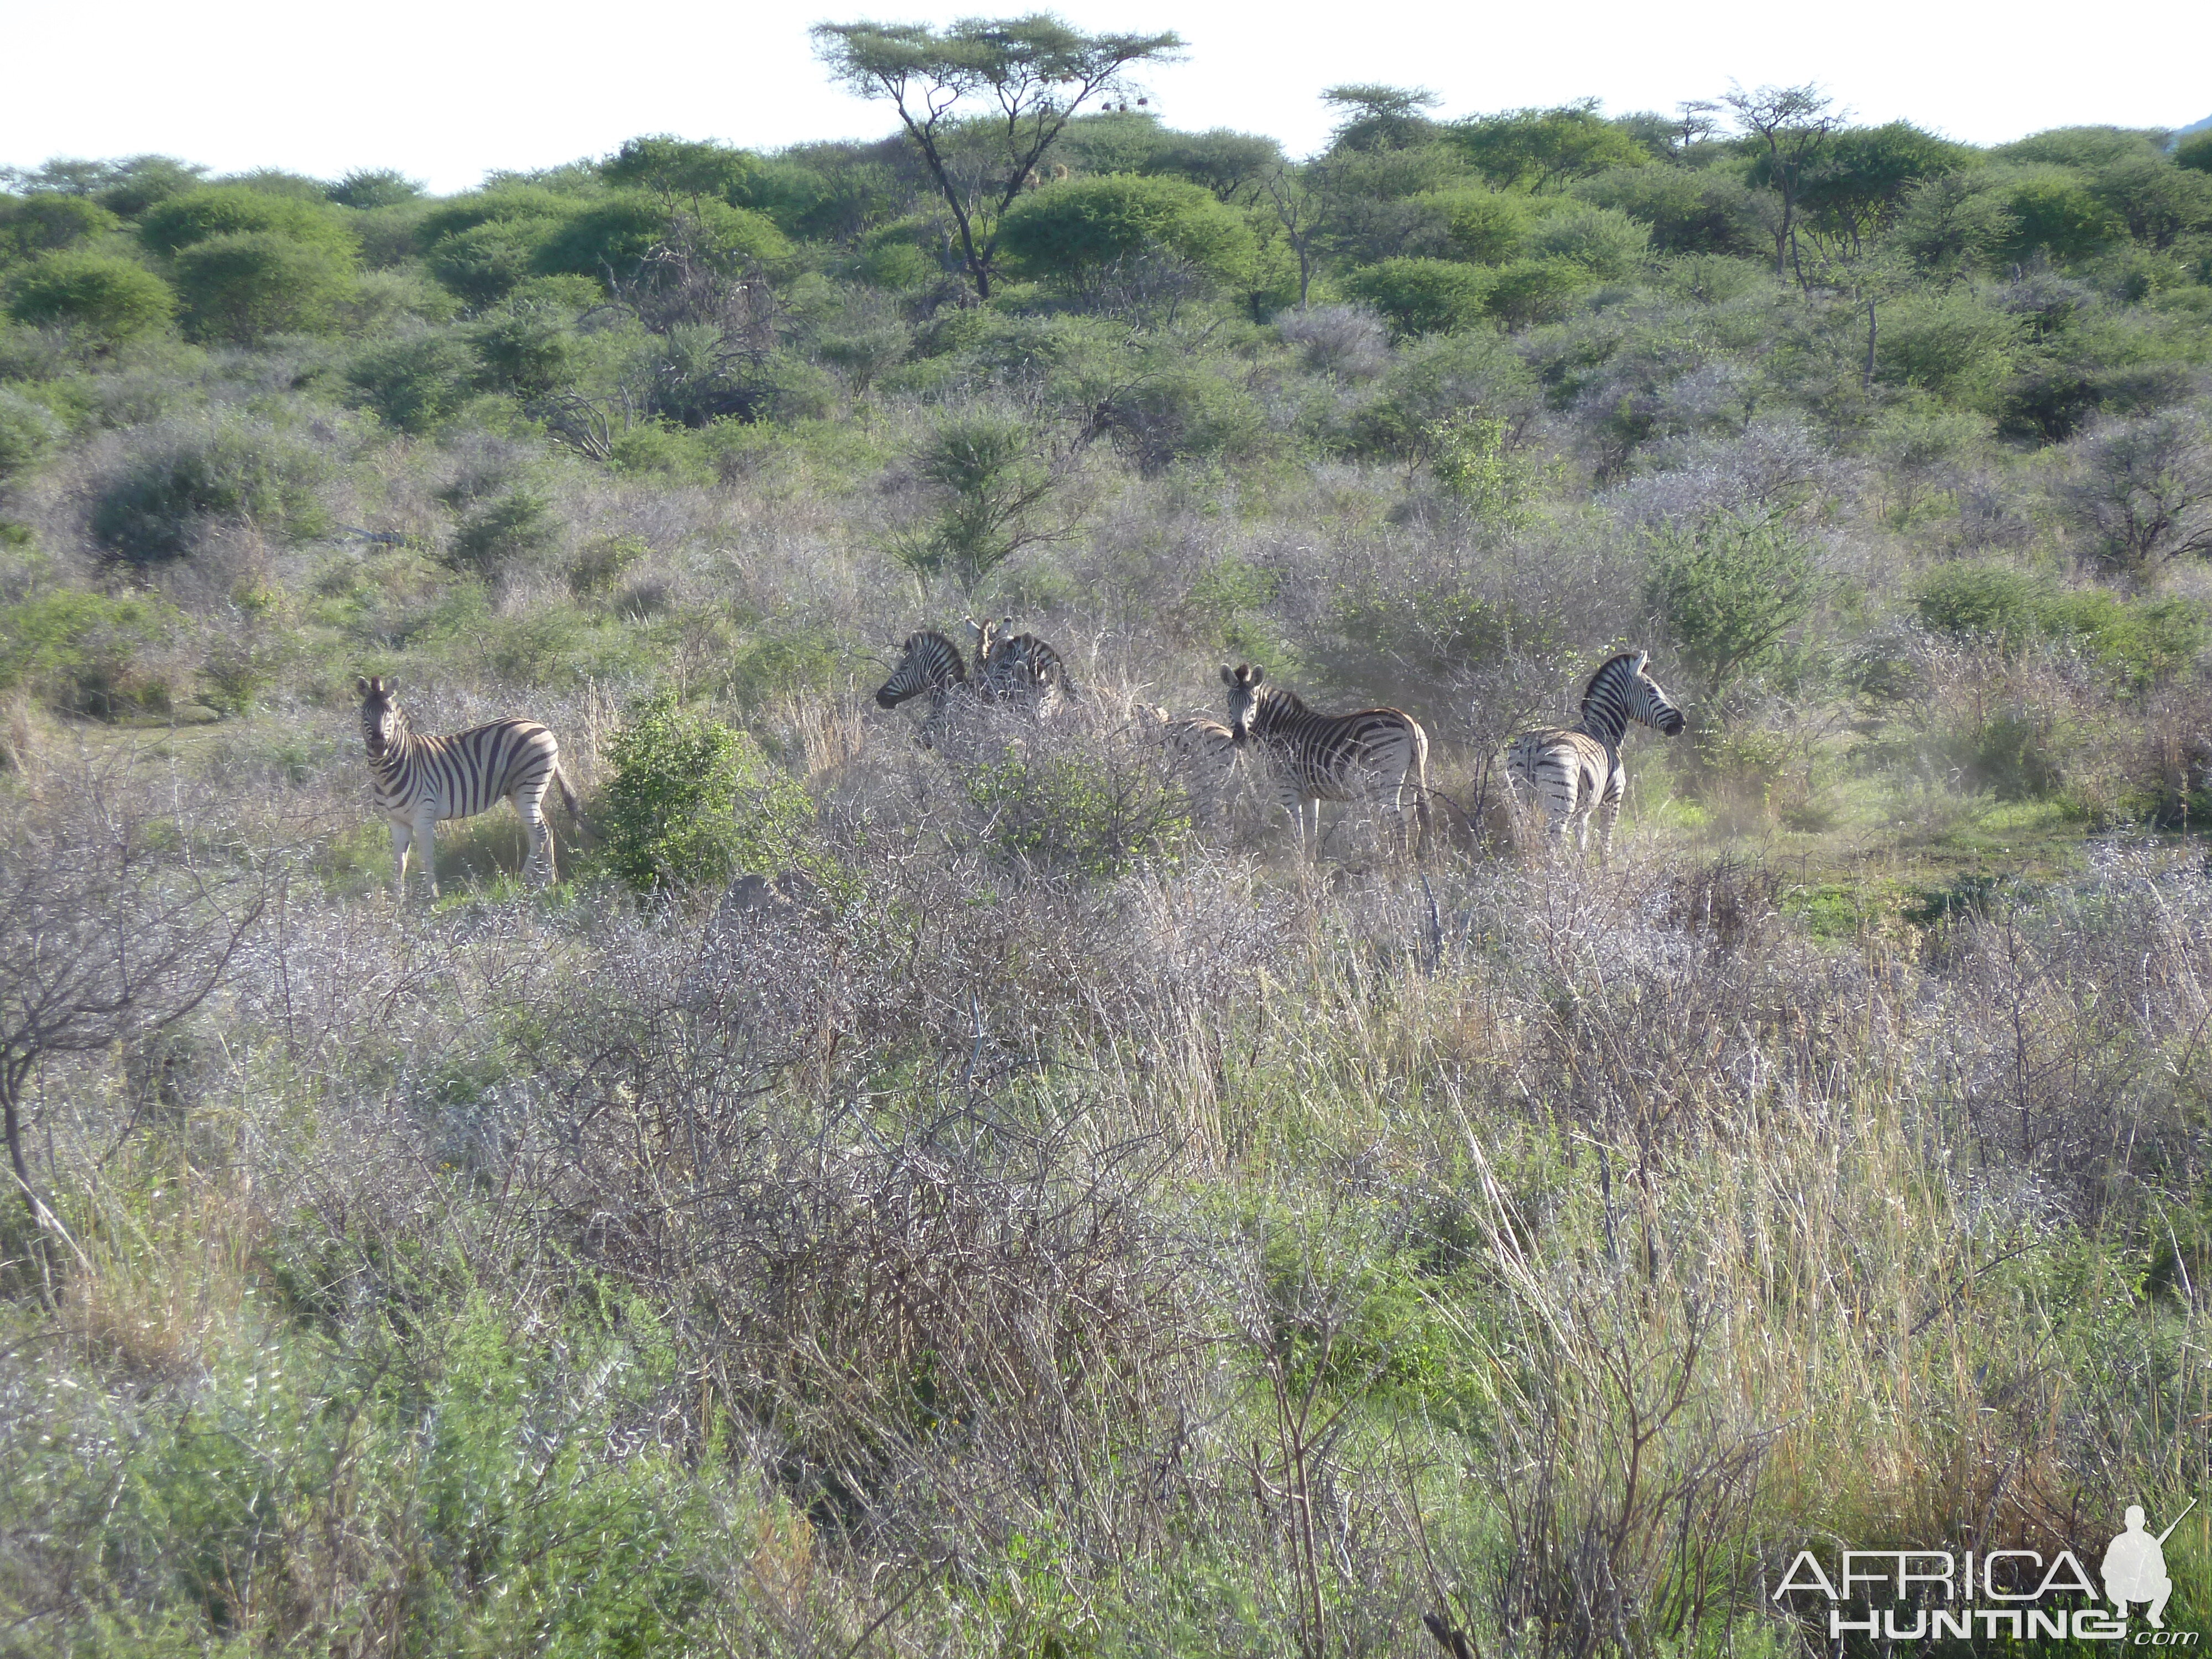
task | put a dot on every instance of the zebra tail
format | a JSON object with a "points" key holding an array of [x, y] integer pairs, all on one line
{"points": [[569, 799]]}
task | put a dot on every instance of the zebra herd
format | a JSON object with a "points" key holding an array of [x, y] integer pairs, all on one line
{"points": [[1376, 757]]}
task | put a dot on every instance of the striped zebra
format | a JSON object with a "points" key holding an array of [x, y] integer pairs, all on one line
{"points": [[1008, 668], [1203, 750], [1577, 772], [929, 663], [420, 779], [1019, 667], [1375, 755]]}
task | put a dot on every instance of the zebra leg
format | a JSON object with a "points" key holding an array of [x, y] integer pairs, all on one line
{"points": [[402, 834], [426, 837], [530, 807], [1609, 811]]}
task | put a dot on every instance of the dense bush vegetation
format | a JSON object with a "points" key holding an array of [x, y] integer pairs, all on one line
{"points": [[946, 1179]]}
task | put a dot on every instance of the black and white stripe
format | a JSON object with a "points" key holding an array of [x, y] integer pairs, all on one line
{"points": [[1574, 773], [929, 663], [1204, 751], [1375, 755], [1019, 668], [421, 779]]}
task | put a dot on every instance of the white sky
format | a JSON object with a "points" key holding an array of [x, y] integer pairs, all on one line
{"points": [[447, 89]]}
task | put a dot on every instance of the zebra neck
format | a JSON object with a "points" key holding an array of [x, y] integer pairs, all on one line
{"points": [[1603, 718], [388, 764]]}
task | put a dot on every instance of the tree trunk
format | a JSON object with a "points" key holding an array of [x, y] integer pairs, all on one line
{"points": [[1867, 385]]}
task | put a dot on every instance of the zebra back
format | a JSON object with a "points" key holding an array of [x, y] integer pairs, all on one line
{"points": [[930, 663]]}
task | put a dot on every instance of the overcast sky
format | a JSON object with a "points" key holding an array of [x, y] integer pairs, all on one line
{"points": [[447, 89]]}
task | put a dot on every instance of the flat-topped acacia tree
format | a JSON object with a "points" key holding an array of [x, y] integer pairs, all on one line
{"points": [[983, 101]]}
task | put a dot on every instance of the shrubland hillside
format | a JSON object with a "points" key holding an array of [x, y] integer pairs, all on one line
{"points": [[969, 1186]]}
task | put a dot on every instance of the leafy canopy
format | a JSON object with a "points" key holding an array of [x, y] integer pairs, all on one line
{"points": [[983, 101]]}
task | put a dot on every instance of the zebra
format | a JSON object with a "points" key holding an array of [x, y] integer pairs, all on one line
{"points": [[1203, 749], [932, 663], [1008, 667], [1575, 773], [420, 779], [1376, 755], [1018, 667]]}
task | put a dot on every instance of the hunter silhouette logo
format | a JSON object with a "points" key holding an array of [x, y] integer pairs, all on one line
{"points": [[1918, 1594], [2135, 1566]]}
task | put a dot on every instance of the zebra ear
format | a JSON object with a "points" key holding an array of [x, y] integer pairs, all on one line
{"points": [[361, 685], [1258, 674], [1643, 660], [1227, 675]]}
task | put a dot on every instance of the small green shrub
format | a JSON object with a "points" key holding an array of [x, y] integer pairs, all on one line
{"points": [[47, 222], [595, 570], [1097, 815], [1424, 296], [2139, 641], [151, 511], [1469, 456], [200, 216], [1531, 291], [28, 433], [1069, 230], [1981, 601], [1729, 591], [106, 296], [413, 383], [693, 803], [609, 239], [1608, 245], [250, 285], [516, 524], [1951, 344]]}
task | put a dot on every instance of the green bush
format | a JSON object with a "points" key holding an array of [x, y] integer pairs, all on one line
{"points": [[609, 238], [105, 296], [368, 188], [2195, 152], [250, 285], [1729, 591], [2139, 641], [1069, 230], [1979, 601], [28, 433], [516, 524], [1484, 226], [1436, 380], [413, 383], [1097, 815], [1951, 344], [1189, 413], [1531, 291], [1608, 245], [486, 261], [200, 216], [693, 803], [48, 222], [151, 511], [2057, 214], [528, 350], [1424, 296]]}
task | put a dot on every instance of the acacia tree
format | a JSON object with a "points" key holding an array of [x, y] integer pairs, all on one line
{"points": [[995, 93], [1794, 124]]}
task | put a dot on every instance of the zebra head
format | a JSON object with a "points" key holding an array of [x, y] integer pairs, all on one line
{"points": [[382, 723], [990, 636], [1243, 683], [931, 663], [1622, 691]]}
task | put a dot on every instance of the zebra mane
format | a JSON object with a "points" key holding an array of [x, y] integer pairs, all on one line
{"points": [[1638, 657], [959, 653], [1282, 698]]}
